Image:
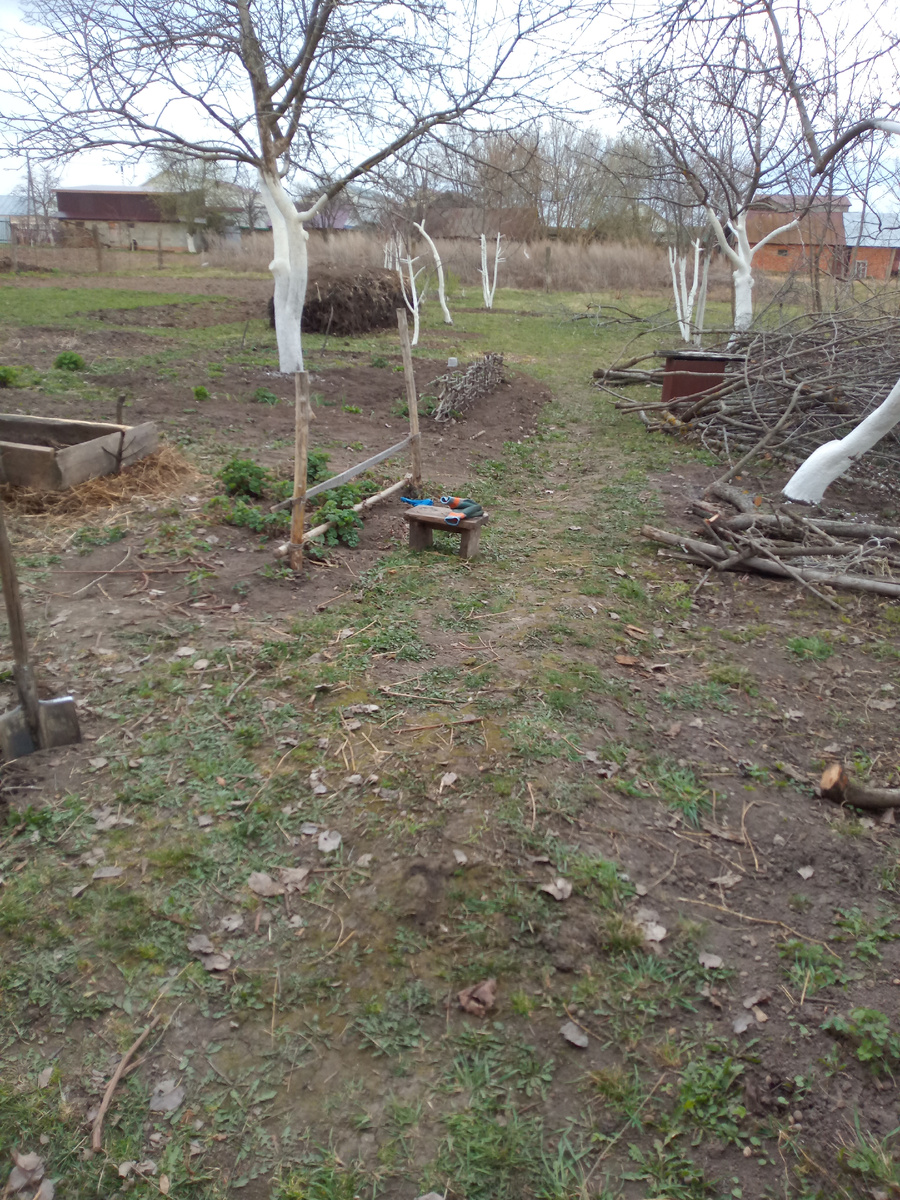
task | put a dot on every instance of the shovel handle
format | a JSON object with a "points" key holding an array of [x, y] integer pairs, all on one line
{"points": [[24, 675]]}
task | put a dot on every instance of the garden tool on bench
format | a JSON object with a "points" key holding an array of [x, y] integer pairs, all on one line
{"points": [[37, 724], [466, 508]]}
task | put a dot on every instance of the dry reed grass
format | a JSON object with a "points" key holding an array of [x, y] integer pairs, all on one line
{"points": [[571, 267], [157, 476]]}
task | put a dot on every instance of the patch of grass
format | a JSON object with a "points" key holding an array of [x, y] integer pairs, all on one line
{"points": [[200, 393], [68, 361], [809, 967], [866, 933], [810, 649], [392, 1024], [696, 696], [93, 535], [264, 396], [734, 676], [681, 790], [868, 1032]]}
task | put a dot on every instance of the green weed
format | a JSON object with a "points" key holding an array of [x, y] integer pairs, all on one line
{"points": [[810, 649]]}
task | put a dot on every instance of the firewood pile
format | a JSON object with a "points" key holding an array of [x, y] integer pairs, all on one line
{"points": [[745, 533], [796, 387], [458, 390]]}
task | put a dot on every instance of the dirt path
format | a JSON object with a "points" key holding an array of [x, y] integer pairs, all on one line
{"points": [[566, 767]]}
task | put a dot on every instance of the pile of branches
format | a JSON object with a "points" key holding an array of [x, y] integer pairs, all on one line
{"points": [[349, 304], [792, 389], [458, 390], [775, 539]]}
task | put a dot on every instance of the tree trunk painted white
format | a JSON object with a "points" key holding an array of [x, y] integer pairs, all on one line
{"points": [[411, 298], [489, 288], [701, 303], [741, 258], [830, 461], [439, 267], [684, 301], [289, 266]]}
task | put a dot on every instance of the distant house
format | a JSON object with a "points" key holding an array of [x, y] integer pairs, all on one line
{"points": [[873, 245], [820, 231], [141, 218], [14, 214]]}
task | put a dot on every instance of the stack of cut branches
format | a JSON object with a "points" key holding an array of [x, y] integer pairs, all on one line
{"points": [[458, 390], [805, 383], [777, 540]]}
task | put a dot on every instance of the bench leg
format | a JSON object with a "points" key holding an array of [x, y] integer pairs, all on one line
{"points": [[468, 542], [420, 536]]}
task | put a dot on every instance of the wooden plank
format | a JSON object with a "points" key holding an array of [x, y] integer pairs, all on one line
{"points": [[336, 480], [30, 466], [15, 427], [101, 456]]}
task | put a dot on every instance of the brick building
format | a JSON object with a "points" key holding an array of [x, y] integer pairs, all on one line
{"points": [[873, 245], [821, 231]]}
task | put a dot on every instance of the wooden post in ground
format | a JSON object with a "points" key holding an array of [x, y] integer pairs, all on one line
{"points": [[302, 414], [412, 401], [159, 252]]}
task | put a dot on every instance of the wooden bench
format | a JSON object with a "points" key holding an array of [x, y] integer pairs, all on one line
{"points": [[423, 520]]}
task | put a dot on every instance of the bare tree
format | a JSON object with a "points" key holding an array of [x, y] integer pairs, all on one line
{"points": [[278, 85], [719, 115]]}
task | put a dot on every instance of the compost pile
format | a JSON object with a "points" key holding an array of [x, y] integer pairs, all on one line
{"points": [[458, 390], [796, 387], [349, 304]]}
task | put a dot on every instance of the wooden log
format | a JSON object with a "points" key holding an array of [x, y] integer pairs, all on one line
{"points": [[836, 528], [836, 785], [704, 551], [301, 452], [412, 400]]}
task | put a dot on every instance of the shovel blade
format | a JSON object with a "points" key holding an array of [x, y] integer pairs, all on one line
{"points": [[59, 722], [15, 736]]}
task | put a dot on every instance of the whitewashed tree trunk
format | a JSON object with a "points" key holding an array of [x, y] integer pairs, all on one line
{"points": [[701, 303], [488, 288], [741, 258], [289, 266], [684, 301], [411, 296], [830, 461], [439, 267]]}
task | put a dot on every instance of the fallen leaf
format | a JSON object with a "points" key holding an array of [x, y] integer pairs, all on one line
{"points": [[108, 873], [559, 889], [27, 1172], [98, 763], [45, 1076], [79, 888], [352, 726], [761, 996], [308, 829], [354, 780], [364, 860], [742, 1022], [164, 1184], [329, 840], [648, 920], [574, 1036], [883, 705], [712, 962], [264, 885], [480, 998], [461, 857], [356, 709], [760, 1015], [204, 820], [728, 879], [448, 780], [231, 922], [626, 660], [166, 1096], [200, 944], [806, 872], [635, 631], [294, 878], [614, 616], [710, 994], [220, 960], [201, 664], [591, 756], [185, 652], [125, 1168], [793, 714], [674, 730]]}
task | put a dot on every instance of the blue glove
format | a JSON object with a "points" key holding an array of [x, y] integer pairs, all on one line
{"points": [[415, 503]]}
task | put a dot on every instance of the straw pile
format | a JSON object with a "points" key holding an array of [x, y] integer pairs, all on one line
{"points": [[349, 303]]}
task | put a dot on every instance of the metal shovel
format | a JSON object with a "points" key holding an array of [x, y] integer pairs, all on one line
{"points": [[38, 724]]}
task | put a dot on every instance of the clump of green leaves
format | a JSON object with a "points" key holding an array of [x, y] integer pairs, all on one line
{"points": [[244, 477], [338, 507], [316, 466], [69, 361], [264, 396], [237, 511], [868, 1030], [200, 393], [810, 967], [93, 535], [8, 377]]}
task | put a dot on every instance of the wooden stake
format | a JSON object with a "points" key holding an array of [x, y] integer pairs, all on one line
{"points": [[301, 450], [412, 401]]}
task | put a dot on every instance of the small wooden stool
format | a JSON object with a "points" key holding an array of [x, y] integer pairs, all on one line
{"points": [[424, 519]]}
